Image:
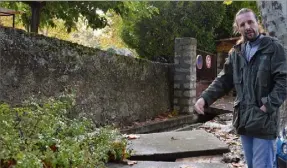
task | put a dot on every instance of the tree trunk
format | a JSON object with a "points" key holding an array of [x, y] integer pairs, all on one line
{"points": [[35, 20], [36, 11], [274, 20]]}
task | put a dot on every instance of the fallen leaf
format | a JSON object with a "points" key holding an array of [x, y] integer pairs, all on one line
{"points": [[172, 138], [237, 164], [186, 167], [129, 162], [132, 136], [132, 162]]}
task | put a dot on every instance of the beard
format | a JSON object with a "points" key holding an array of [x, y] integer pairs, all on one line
{"points": [[250, 35]]}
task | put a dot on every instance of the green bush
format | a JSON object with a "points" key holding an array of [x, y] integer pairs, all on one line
{"points": [[40, 135]]}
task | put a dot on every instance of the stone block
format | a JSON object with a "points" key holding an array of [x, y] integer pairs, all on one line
{"points": [[185, 66], [187, 61], [175, 101], [191, 77], [188, 85], [185, 101], [178, 93], [178, 77], [176, 61], [176, 86], [188, 109], [176, 108], [182, 70], [189, 93]]}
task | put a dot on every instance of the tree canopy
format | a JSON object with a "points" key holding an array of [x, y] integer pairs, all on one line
{"points": [[153, 38], [71, 11]]}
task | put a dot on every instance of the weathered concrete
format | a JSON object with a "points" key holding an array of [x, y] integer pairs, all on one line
{"points": [[173, 124], [146, 164], [189, 127], [168, 146], [166, 125]]}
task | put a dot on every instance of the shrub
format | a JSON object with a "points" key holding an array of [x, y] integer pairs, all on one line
{"points": [[40, 135]]}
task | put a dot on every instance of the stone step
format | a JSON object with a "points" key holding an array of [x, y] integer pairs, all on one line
{"points": [[160, 126], [188, 127], [150, 164], [169, 146]]}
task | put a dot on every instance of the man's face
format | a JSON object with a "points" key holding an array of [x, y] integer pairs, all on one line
{"points": [[247, 26]]}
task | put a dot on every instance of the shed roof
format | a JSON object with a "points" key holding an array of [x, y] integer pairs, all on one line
{"points": [[8, 12]]}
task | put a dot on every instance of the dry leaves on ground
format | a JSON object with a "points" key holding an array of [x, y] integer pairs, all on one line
{"points": [[132, 136], [239, 165], [129, 162]]}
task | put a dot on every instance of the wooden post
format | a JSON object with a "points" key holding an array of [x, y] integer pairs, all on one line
{"points": [[13, 21]]}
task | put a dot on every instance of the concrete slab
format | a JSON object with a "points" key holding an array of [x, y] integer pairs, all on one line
{"points": [[146, 164], [160, 126], [169, 146]]}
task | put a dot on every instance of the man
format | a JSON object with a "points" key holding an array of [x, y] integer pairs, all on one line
{"points": [[257, 68]]}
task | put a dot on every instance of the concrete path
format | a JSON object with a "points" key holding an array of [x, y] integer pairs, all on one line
{"points": [[169, 146], [146, 164]]}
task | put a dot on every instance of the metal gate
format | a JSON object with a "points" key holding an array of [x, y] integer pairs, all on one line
{"points": [[206, 70]]}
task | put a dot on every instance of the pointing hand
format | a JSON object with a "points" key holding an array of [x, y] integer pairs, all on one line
{"points": [[199, 106]]}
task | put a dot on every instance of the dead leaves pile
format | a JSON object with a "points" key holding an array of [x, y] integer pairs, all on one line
{"points": [[131, 136], [129, 162], [235, 156], [161, 117]]}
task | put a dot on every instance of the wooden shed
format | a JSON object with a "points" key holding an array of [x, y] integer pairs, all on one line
{"points": [[9, 12], [222, 48]]}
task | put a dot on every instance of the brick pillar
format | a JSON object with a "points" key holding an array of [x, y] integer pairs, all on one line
{"points": [[185, 75]]}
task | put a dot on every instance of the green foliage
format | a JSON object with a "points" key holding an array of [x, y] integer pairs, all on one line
{"points": [[153, 37], [40, 134], [68, 11], [71, 11]]}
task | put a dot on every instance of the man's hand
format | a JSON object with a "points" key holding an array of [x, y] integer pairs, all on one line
{"points": [[199, 106], [263, 108]]}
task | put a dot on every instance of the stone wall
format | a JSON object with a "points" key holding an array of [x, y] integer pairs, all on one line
{"points": [[109, 88]]}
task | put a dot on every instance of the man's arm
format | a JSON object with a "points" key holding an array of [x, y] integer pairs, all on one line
{"points": [[279, 74], [221, 85]]}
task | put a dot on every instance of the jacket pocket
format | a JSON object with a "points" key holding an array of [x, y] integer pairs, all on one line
{"points": [[258, 122], [263, 72]]}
